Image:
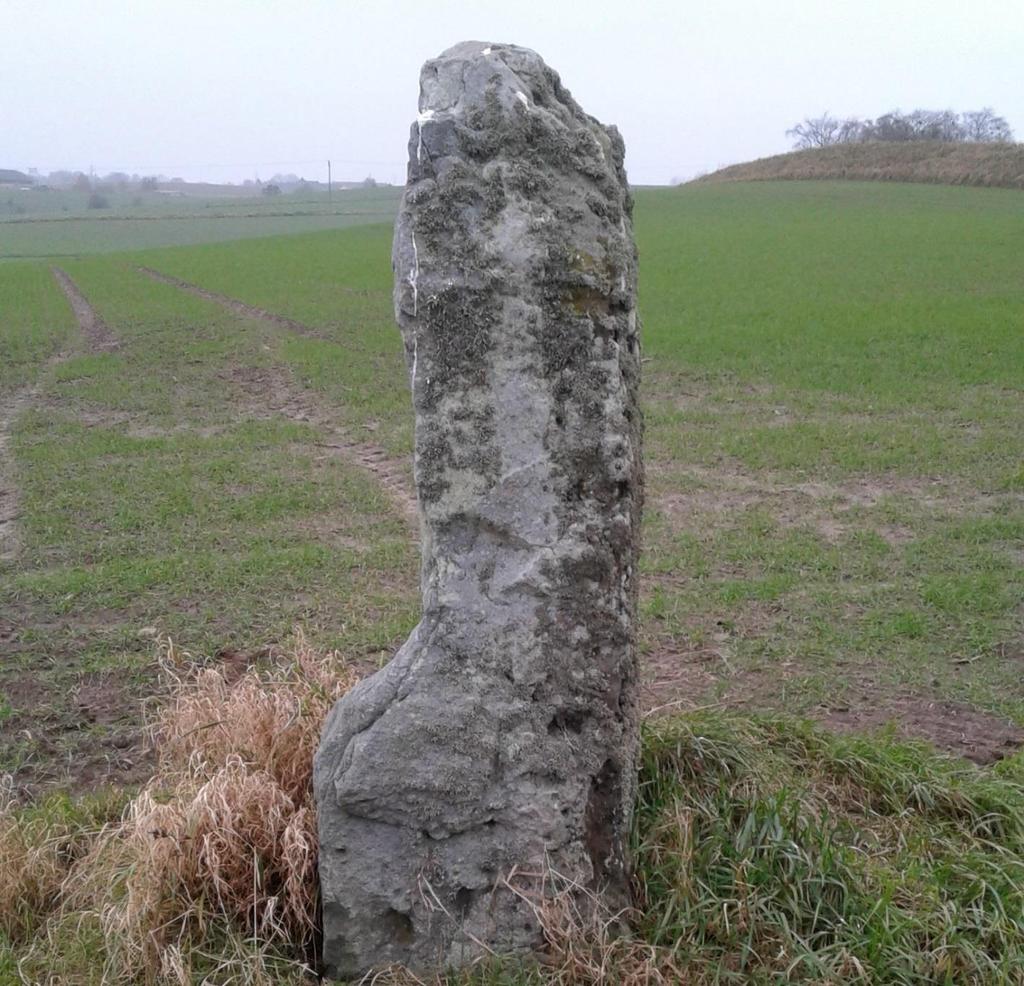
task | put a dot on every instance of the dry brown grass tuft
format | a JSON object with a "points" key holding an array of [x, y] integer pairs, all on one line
{"points": [[37, 848], [589, 947], [270, 719], [225, 832], [31, 867]]}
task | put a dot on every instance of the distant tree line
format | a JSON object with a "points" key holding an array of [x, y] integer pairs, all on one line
{"points": [[975, 127], [100, 189]]}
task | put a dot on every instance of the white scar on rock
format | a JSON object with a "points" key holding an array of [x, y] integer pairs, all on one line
{"points": [[521, 96], [414, 275], [422, 118]]}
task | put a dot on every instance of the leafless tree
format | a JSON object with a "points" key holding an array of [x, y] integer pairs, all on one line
{"points": [[984, 127], [817, 131], [981, 126], [852, 131], [934, 125]]}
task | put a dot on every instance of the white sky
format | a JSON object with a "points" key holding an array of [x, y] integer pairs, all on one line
{"points": [[226, 90]]}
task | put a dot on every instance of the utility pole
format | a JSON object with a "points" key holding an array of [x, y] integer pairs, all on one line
{"points": [[328, 181]]}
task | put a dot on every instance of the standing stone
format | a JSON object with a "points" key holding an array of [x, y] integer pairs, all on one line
{"points": [[498, 748]]}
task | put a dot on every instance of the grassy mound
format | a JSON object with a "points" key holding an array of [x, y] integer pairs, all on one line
{"points": [[934, 162], [766, 850]]}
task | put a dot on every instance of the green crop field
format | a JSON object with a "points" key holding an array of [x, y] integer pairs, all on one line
{"points": [[36, 225], [834, 399]]}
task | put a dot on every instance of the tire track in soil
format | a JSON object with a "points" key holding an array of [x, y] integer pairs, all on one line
{"points": [[272, 390], [99, 337], [236, 306]]}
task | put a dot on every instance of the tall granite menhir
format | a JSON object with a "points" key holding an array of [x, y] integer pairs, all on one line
{"points": [[498, 748]]}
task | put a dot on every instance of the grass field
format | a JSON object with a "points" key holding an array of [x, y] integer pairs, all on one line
{"points": [[835, 520], [833, 402]]}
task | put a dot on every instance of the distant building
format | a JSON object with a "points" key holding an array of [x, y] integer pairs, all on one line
{"points": [[8, 177]]}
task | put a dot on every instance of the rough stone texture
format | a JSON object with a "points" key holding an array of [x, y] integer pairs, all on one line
{"points": [[499, 745]]}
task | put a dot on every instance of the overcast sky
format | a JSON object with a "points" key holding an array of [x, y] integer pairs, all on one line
{"points": [[227, 90]]}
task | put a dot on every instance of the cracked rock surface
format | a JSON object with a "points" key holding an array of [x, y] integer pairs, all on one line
{"points": [[498, 748]]}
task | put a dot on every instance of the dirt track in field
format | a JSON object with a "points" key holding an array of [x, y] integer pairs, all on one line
{"points": [[95, 330], [100, 339], [42, 717], [233, 304], [270, 391]]}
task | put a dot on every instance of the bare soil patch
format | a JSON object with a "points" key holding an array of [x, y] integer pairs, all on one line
{"points": [[689, 669], [94, 740], [678, 677], [953, 726], [233, 663], [95, 330]]}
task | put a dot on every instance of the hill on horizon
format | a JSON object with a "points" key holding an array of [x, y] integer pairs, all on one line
{"points": [[932, 162]]}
